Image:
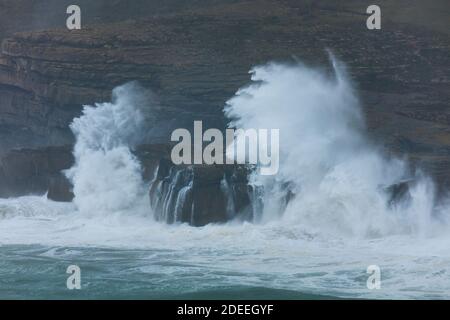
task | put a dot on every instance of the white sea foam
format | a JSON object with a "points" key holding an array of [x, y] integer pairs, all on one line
{"points": [[337, 175], [106, 176]]}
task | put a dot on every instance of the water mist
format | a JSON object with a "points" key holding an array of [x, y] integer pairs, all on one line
{"points": [[335, 179], [107, 176]]}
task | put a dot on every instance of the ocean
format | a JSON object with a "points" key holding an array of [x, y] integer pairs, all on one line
{"points": [[136, 258]]}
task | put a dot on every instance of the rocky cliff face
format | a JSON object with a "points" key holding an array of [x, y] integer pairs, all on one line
{"points": [[200, 194], [29, 171], [197, 194], [195, 60], [195, 57]]}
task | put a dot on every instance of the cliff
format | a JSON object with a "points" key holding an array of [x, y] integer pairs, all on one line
{"points": [[195, 57]]}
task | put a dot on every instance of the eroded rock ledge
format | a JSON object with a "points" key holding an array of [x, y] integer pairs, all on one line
{"points": [[212, 194], [28, 171], [196, 59]]}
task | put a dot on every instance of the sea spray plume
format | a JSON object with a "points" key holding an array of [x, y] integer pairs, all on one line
{"points": [[106, 175], [334, 178]]}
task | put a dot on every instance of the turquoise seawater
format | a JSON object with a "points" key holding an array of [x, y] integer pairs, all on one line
{"points": [[127, 256], [38, 272]]}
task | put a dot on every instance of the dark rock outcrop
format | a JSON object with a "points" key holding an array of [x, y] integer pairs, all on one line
{"points": [[399, 193], [197, 194], [60, 189], [29, 171], [200, 194]]}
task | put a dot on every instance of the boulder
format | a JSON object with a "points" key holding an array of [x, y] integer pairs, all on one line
{"points": [[27, 171], [200, 194], [60, 189]]}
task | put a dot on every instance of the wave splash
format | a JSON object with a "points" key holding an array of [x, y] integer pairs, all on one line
{"points": [[106, 176], [332, 179]]}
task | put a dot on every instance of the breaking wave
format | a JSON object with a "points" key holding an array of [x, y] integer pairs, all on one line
{"points": [[332, 179]]}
